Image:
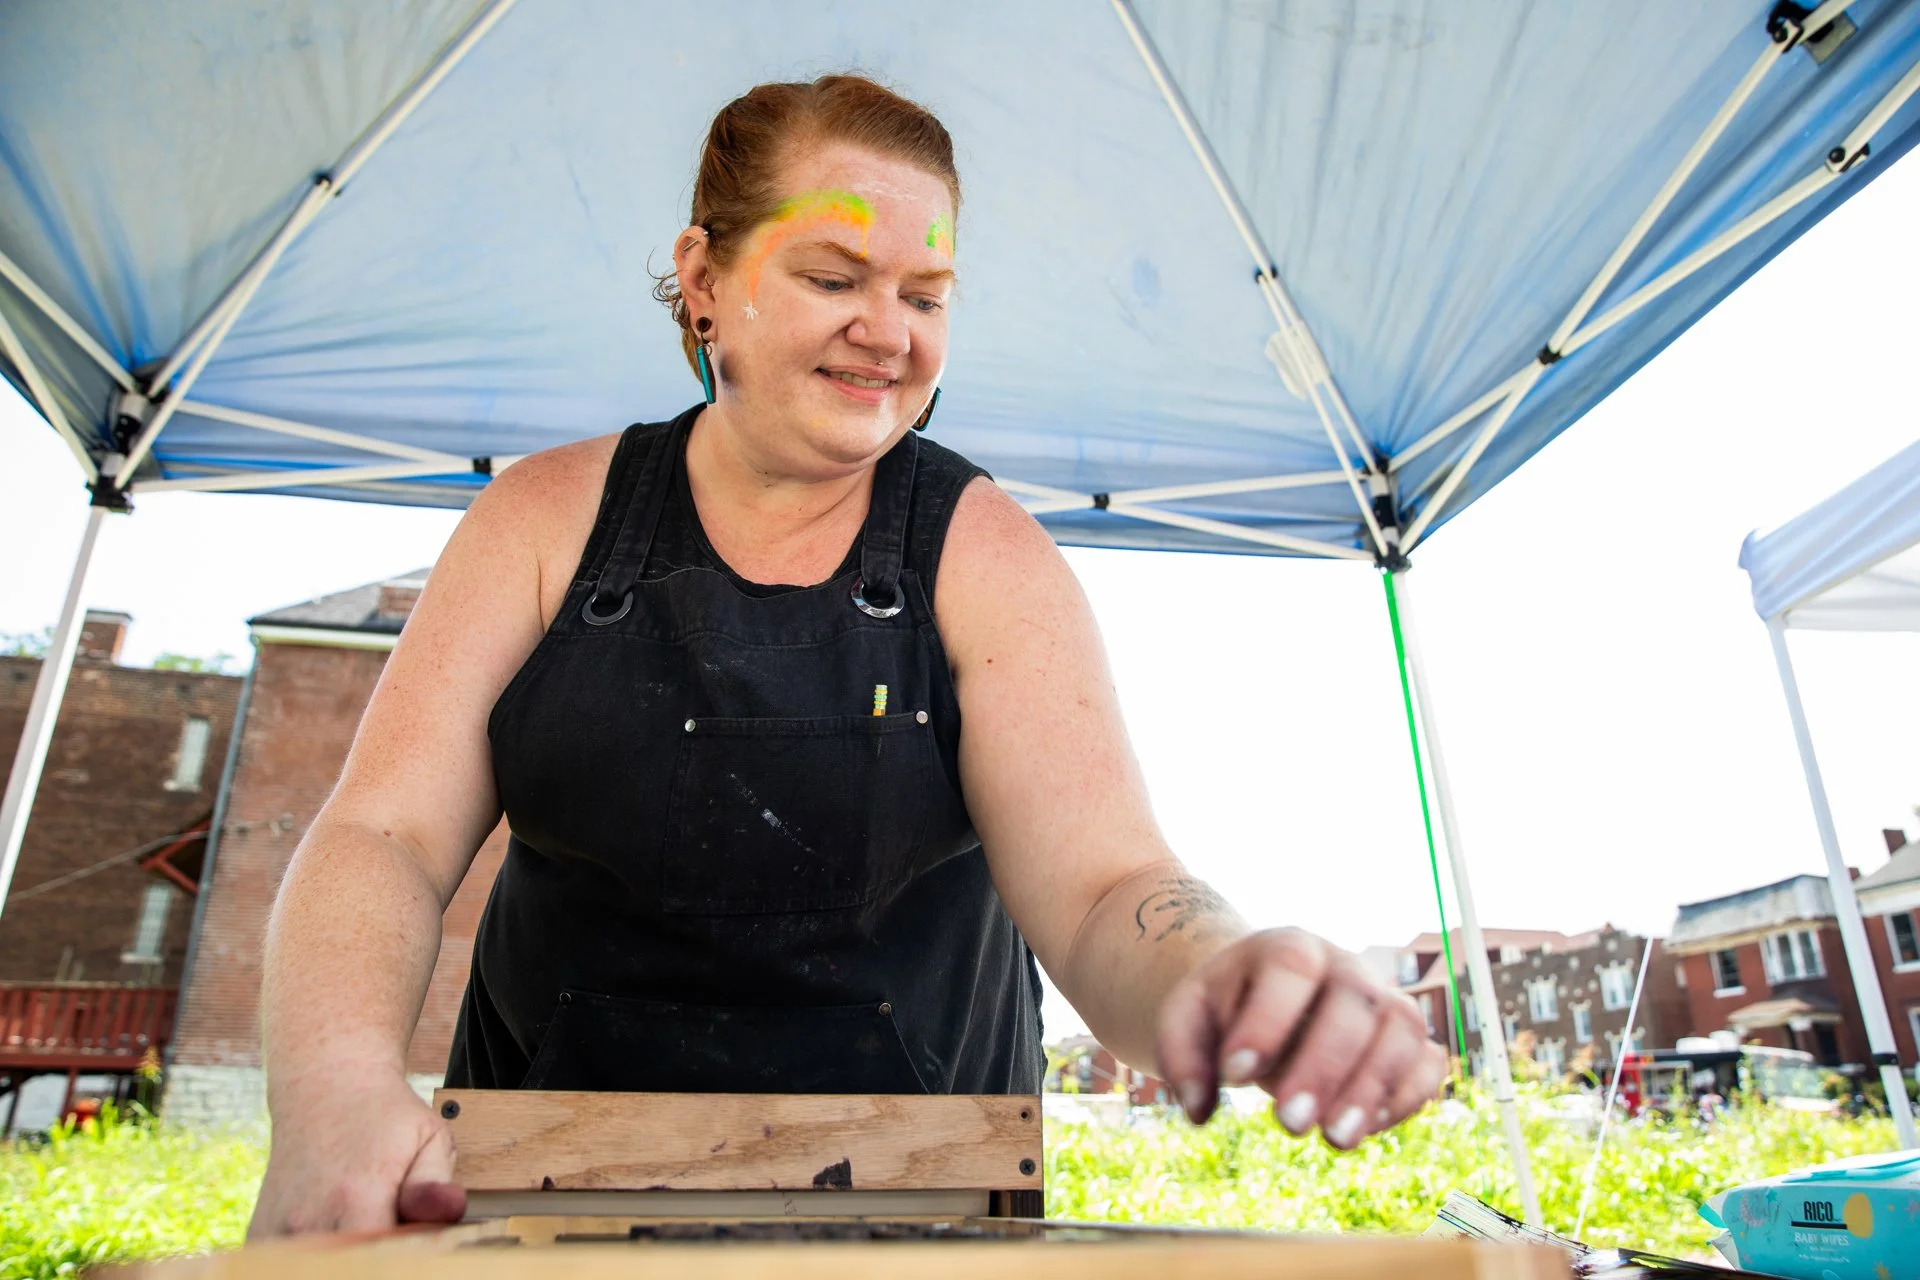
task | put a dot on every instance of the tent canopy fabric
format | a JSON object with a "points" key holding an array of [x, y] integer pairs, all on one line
{"points": [[1851, 563], [1220, 259]]}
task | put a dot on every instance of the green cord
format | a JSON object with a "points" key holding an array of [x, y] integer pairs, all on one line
{"points": [[1426, 817]]}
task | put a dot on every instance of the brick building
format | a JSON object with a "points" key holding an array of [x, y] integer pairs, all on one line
{"points": [[1563, 997], [1421, 972], [1767, 963], [98, 915], [1890, 902], [315, 669]]}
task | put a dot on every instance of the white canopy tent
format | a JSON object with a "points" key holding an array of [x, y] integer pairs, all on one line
{"points": [[1852, 563]]}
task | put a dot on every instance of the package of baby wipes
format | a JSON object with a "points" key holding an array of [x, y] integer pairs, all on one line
{"points": [[1854, 1219]]}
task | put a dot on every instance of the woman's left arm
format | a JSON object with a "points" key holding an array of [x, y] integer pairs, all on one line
{"points": [[1165, 973]]}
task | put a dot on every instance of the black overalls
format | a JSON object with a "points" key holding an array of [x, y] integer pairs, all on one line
{"points": [[726, 873]]}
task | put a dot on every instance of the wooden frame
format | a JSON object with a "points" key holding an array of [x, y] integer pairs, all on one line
{"points": [[593, 1186]]}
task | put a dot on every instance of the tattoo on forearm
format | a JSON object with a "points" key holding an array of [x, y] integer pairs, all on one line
{"points": [[1183, 905]]}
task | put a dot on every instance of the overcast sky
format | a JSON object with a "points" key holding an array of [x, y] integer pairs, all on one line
{"points": [[1613, 724]]}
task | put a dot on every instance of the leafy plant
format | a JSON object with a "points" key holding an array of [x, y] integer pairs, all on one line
{"points": [[25, 644], [216, 665], [123, 1186], [1243, 1170]]}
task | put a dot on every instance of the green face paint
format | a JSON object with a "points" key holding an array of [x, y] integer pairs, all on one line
{"points": [[810, 209], [940, 235]]}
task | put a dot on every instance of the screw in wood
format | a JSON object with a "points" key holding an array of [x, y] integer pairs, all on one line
{"points": [[449, 1109], [1027, 1167]]}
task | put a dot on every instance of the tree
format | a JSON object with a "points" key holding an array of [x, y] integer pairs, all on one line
{"points": [[25, 644], [216, 665]]}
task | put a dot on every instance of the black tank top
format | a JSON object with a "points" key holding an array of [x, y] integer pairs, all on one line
{"points": [[740, 858]]}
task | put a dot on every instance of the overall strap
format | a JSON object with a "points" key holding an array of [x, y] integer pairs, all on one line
{"points": [[613, 594], [883, 541]]}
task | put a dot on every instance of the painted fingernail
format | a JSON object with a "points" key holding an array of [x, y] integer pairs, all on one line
{"points": [[1345, 1131], [1193, 1096], [1297, 1115], [1238, 1068]]}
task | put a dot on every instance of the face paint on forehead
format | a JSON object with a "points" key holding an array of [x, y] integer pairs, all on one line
{"points": [[809, 209], [940, 235]]}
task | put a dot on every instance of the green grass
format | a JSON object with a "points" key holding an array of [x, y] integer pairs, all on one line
{"points": [[126, 1188], [123, 1188], [1245, 1171]]}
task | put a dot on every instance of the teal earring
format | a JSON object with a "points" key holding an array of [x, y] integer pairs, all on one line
{"points": [[926, 415], [702, 363]]}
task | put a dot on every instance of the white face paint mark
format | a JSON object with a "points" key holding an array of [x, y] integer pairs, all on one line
{"points": [[750, 311]]}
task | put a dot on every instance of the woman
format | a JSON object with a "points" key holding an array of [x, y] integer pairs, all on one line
{"points": [[746, 685]]}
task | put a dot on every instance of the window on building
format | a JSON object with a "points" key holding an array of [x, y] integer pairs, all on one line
{"points": [[1551, 1054], [1426, 1009], [1616, 986], [190, 761], [1582, 1022], [1913, 1021], [1903, 938], [151, 929], [1680, 976], [1409, 968], [1726, 972], [1792, 955], [1543, 999], [1474, 1059], [1510, 954], [1470, 1012], [1613, 1045]]}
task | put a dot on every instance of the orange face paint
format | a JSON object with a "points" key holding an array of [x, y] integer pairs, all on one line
{"points": [[808, 210]]}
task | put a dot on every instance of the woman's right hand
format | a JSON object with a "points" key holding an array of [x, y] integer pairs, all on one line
{"points": [[356, 1154]]}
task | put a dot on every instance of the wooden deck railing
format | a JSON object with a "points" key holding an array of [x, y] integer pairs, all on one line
{"points": [[91, 1026]]}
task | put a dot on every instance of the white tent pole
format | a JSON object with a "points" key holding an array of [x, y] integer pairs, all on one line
{"points": [[325, 435], [198, 346], [37, 734], [246, 481], [330, 184], [1292, 325], [68, 325], [1846, 907], [1220, 528], [1613, 1087], [16, 352], [1493, 1031]]}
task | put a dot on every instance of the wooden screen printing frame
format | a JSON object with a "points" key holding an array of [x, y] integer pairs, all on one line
{"points": [[595, 1186]]}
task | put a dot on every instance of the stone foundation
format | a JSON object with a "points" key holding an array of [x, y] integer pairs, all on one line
{"points": [[212, 1097]]}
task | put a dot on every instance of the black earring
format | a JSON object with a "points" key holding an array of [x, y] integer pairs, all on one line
{"points": [[926, 415]]}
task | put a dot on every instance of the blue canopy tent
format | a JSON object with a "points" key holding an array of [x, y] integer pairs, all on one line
{"points": [[1849, 563], [1280, 278]]}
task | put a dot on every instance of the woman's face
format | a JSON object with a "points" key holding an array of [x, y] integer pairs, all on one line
{"points": [[830, 326]]}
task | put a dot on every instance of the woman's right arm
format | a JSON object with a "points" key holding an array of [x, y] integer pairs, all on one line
{"points": [[355, 931]]}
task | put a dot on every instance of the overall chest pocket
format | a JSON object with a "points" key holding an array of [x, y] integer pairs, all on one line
{"points": [[807, 814]]}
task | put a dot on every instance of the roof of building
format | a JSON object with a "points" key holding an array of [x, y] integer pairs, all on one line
{"points": [[1494, 937], [1902, 867], [1750, 911], [355, 609]]}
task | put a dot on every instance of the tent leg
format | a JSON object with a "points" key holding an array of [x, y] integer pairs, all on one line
{"points": [[37, 735], [1492, 1026], [1846, 907]]}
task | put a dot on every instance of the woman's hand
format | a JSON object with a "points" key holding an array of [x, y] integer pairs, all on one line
{"points": [[1300, 1018], [357, 1154]]}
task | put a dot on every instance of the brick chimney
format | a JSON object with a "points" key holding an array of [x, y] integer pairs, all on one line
{"points": [[1896, 838], [398, 596], [102, 633]]}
